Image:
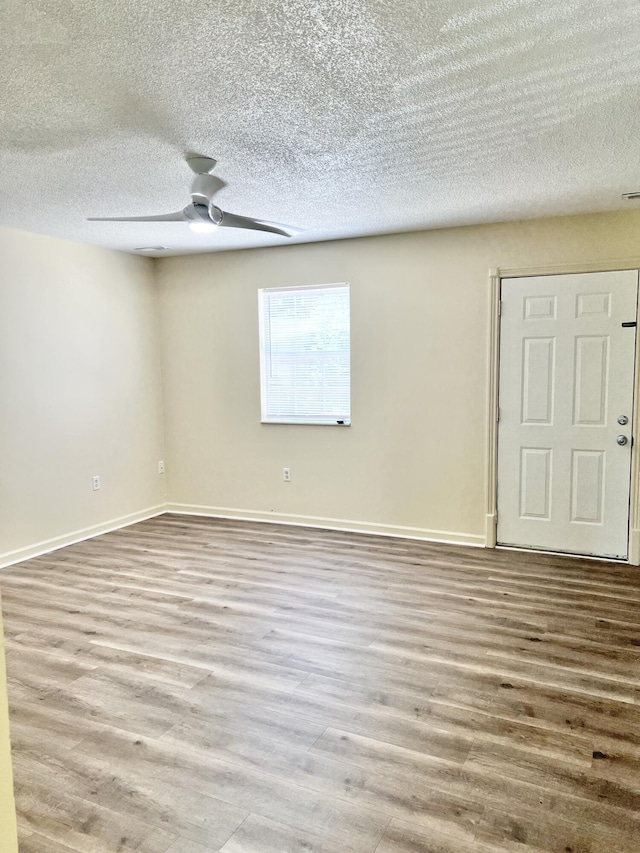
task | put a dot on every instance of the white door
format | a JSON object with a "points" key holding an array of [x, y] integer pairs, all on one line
{"points": [[565, 407]]}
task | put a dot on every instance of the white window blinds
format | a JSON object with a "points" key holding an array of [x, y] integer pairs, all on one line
{"points": [[305, 354]]}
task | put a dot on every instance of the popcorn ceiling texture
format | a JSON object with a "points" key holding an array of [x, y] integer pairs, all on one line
{"points": [[343, 117]]}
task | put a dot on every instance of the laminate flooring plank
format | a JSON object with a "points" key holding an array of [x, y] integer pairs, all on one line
{"points": [[354, 799], [410, 795], [547, 706], [83, 826], [550, 834], [145, 763], [568, 590], [198, 817], [191, 625], [231, 661], [507, 589], [253, 735], [37, 843], [38, 668], [160, 809], [32, 724], [562, 651], [453, 745], [486, 789], [405, 700], [185, 845], [484, 724], [110, 700], [324, 657], [404, 675], [89, 585], [490, 728], [482, 786], [40, 650], [550, 775], [258, 834], [405, 837]]}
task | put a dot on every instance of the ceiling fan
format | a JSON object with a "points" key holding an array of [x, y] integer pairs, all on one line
{"points": [[202, 215]]}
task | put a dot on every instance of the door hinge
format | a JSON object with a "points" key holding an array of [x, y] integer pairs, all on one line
{"points": [[498, 413], [500, 308]]}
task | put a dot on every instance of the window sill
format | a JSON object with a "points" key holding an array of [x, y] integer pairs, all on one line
{"points": [[309, 423]]}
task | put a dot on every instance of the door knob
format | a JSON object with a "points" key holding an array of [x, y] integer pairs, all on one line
{"points": [[622, 439], [623, 420]]}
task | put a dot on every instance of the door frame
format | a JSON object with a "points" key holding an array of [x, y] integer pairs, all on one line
{"points": [[493, 375]]}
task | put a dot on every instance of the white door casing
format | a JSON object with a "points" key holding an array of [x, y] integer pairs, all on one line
{"points": [[566, 375]]}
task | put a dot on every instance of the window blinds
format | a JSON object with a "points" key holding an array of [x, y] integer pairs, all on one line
{"points": [[305, 354]]}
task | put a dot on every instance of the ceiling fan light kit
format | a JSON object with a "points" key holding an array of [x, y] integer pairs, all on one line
{"points": [[201, 227], [202, 215]]}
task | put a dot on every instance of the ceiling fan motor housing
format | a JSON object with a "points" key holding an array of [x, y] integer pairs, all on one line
{"points": [[203, 188], [203, 213]]}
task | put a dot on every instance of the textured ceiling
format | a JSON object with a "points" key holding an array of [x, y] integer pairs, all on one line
{"points": [[343, 117]]}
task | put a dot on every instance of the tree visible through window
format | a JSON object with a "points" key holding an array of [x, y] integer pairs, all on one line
{"points": [[305, 366]]}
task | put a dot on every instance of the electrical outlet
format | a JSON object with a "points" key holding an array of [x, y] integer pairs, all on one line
{"points": [[161, 466], [286, 475], [95, 482]]}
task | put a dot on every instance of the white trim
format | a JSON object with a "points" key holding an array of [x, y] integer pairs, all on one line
{"points": [[634, 545], [634, 498], [48, 545], [491, 524], [424, 534], [569, 269], [493, 368], [493, 376]]}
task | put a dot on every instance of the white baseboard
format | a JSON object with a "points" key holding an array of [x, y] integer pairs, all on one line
{"points": [[490, 530], [425, 534], [47, 545]]}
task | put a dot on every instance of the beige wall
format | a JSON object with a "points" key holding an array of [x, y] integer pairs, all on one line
{"points": [[80, 390], [414, 458], [8, 839]]}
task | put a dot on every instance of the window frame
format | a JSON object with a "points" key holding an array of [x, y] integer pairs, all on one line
{"points": [[289, 421]]}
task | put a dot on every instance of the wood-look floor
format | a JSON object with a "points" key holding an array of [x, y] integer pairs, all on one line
{"points": [[188, 685]]}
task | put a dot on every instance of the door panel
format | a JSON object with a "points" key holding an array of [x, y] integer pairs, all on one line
{"points": [[566, 375], [538, 371], [535, 482], [540, 308], [587, 495], [591, 380]]}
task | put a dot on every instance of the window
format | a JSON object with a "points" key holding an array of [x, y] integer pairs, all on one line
{"points": [[305, 354]]}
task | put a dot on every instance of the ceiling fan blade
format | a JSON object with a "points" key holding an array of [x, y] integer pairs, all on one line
{"points": [[232, 220], [162, 217]]}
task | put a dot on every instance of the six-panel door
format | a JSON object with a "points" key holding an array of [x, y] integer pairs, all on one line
{"points": [[566, 377]]}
